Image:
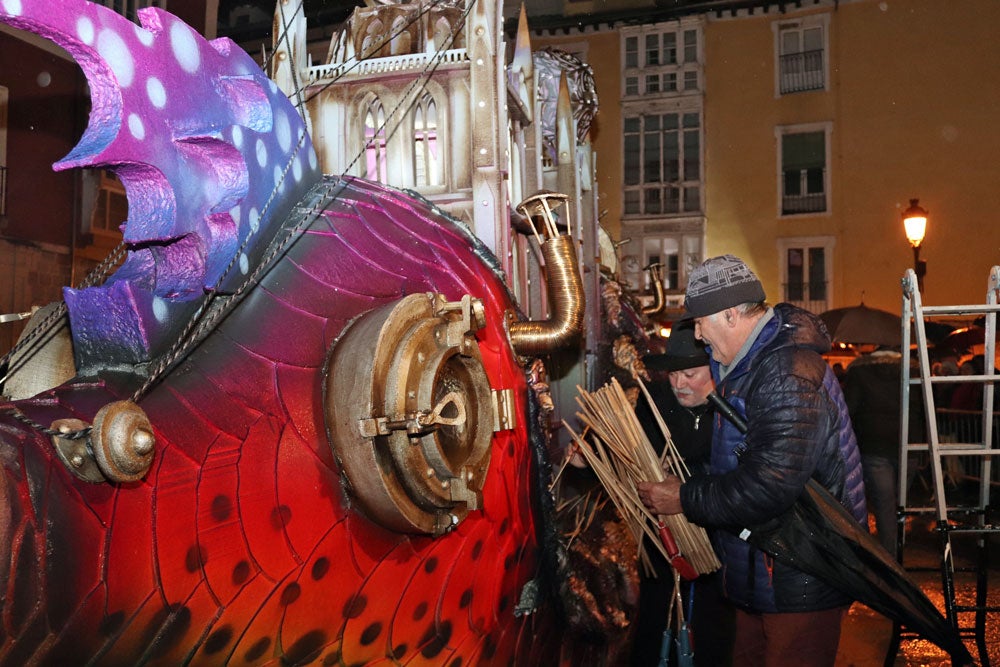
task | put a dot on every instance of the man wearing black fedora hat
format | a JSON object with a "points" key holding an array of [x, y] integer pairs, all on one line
{"points": [[681, 398]]}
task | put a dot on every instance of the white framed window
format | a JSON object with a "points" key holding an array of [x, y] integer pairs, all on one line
{"points": [[677, 248], [426, 160], [801, 54], [803, 168], [663, 57], [662, 163], [806, 265], [375, 138]]}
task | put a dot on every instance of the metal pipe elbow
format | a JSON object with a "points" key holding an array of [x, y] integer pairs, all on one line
{"points": [[659, 298], [566, 299]]}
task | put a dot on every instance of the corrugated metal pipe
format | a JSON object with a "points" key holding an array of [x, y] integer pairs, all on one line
{"points": [[562, 276]]}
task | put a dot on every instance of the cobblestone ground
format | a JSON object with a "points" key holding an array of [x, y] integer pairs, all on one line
{"points": [[866, 634]]}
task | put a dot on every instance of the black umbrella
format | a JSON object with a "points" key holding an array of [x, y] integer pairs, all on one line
{"points": [[861, 325], [962, 340], [818, 536]]}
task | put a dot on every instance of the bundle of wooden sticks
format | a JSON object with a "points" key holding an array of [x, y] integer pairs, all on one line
{"points": [[616, 448]]}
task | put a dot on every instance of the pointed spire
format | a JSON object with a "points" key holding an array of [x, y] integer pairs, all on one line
{"points": [[522, 48], [565, 129], [521, 73]]}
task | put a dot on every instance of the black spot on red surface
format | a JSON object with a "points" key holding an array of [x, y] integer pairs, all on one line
{"points": [[435, 639], [305, 649], [371, 633], [258, 649], [466, 599], [355, 606], [477, 549], [457, 662], [504, 601], [241, 572], [218, 640], [194, 559], [281, 516], [290, 594], [167, 628], [222, 508], [430, 564], [320, 568], [399, 651], [504, 526], [332, 658], [489, 648], [420, 611]]}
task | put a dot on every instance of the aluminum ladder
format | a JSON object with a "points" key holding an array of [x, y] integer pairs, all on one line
{"points": [[953, 520]]}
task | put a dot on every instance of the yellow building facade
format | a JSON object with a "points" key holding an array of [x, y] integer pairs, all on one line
{"points": [[811, 129]]}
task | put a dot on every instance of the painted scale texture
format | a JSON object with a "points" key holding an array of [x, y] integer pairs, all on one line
{"points": [[240, 546]]}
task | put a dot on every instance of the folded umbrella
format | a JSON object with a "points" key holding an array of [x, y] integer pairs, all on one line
{"points": [[818, 536]]}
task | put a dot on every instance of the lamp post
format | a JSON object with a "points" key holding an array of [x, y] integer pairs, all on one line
{"points": [[915, 224]]}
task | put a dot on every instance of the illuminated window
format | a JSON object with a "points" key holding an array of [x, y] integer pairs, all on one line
{"points": [[426, 161], [375, 153]]}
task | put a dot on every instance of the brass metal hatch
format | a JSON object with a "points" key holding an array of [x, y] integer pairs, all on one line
{"points": [[410, 412]]}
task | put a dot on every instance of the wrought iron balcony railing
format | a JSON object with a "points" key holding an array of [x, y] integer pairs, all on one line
{"points": [[801, 71]]}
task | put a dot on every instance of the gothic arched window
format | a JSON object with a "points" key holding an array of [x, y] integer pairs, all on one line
{"points": [[400, 37], [374, 40], [442, 35], [426, 160], [375, 155]]}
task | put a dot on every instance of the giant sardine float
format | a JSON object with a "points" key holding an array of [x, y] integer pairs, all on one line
{"points": [[299, 431]]}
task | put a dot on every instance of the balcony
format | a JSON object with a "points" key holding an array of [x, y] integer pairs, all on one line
{"points": [[809, 203], [803, 190], [390, 64], [810, 296], [801, 72]]}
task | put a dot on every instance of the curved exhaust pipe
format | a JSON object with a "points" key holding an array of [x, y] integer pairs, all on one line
{"points": [[562, 277], [659, 296]]}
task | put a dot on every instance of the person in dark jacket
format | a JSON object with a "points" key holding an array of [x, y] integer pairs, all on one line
{"points": [[682, 401], [680, 398], [872, 390], [767, 364]]}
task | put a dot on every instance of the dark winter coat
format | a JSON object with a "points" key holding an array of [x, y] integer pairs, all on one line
{"points": [[872, 390], [798, 428]]}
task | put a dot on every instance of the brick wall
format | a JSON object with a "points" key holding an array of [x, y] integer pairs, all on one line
{"points": [[31, 274]]}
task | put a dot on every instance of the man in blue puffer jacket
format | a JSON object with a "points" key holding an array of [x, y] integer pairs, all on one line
{"points": [[767, 363]]}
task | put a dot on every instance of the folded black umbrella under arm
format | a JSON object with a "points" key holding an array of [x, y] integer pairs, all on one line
{"points": [[819, 536]]}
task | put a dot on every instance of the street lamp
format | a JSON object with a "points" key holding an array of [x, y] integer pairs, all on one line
{"points": [[915, 224]]}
